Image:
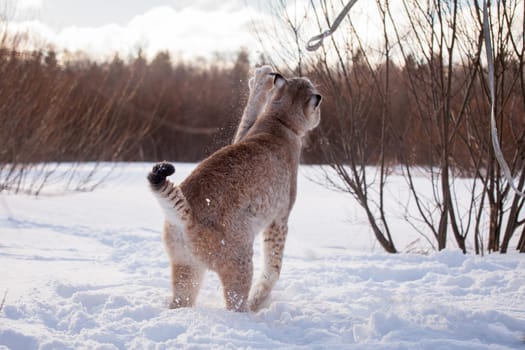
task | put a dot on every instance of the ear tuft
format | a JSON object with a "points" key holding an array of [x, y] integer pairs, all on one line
{"points": [[315, 100], [278, 80]]}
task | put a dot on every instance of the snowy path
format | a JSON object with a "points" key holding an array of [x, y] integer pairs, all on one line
{"points": [[89, 271]]}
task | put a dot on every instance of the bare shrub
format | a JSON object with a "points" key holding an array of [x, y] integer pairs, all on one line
{"points": [[418, 101]]}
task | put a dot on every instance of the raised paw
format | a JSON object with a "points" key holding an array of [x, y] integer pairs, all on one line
{"points": [[159, 173], [262, 81]]}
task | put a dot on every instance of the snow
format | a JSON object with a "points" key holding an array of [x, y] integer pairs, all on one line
{"points": [[88, 270]]}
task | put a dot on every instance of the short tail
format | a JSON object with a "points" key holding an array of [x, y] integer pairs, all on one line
{"points": [[169, 195]]}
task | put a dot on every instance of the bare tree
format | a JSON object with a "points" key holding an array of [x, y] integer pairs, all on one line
{"points": [[50, 115], [443, 131]]}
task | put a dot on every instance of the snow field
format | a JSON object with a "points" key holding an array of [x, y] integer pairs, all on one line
{"points": [[88, 271]]}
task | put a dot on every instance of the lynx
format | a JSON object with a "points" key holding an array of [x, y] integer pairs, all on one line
{"points": [[213, 216]]}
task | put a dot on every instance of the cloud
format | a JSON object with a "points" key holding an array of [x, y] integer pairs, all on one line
{"points": [[189, 32], [29, 4]]}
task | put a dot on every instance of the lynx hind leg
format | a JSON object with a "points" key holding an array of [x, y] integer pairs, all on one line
{"points": [[273, 248], [186, 281], [186, 272], [260, 84], [236, 278]]}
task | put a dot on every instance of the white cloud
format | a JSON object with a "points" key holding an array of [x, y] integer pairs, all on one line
{"points": [[189, 32], [28, 4]]}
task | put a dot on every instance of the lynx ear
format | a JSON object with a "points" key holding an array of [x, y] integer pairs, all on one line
{"points": [[278, 80], [315, 101]]}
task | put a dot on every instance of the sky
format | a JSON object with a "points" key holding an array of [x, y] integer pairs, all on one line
{"points": [[193, 28], [185, 28], [189, 28]]}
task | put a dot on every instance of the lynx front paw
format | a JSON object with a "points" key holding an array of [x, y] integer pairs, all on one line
{"points": [[258, 298], [262, 80], [255, 303]]}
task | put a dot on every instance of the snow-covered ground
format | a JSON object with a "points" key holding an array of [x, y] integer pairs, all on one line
{"points": [[88, 271]]}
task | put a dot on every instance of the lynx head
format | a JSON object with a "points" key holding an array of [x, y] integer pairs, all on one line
{"points": [[299, 99]]}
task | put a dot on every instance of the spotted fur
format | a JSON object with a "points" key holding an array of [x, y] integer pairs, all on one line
{"points": [[213, 216]]}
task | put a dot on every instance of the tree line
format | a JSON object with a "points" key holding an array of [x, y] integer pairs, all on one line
{"points": [[139, 110]]}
